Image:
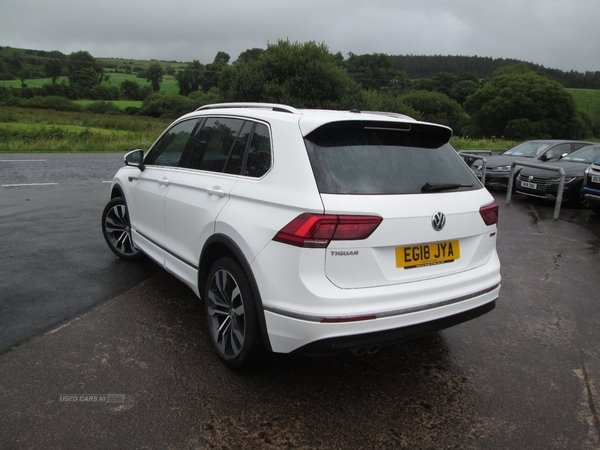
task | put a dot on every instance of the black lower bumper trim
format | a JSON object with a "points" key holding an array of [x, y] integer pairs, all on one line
{"points": [[386, 337]]}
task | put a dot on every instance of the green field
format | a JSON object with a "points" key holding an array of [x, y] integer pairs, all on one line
{"points": [[25, 130], [122, 104], [168, 85], [588, 100]]}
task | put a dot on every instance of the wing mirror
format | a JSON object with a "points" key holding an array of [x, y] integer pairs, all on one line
{"points": [[135, 158]]}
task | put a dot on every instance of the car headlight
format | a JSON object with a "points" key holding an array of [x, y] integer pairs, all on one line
{"points": [[500, 169]]}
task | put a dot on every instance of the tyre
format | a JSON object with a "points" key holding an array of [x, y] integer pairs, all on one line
{"points": [[117, 230], [231, 314]]}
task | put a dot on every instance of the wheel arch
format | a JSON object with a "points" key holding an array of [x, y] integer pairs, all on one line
{"points": [[116, 191], [217, 246]]}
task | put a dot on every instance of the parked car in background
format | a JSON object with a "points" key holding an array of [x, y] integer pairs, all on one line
{"points": [[591, 187], [544, 183], [498, 166], [310, 231]]}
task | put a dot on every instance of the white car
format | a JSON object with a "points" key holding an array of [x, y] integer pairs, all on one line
{"points": [[308, 230]]}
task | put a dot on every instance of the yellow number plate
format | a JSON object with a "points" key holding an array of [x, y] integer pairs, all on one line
{"points": [[427, 254]]}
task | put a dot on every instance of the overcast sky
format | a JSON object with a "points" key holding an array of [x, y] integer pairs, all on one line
{"points": [[561, 34]]}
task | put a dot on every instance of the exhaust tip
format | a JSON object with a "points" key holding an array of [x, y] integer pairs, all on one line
{"points": [[365, 350], [373, 349], [359, 351]]}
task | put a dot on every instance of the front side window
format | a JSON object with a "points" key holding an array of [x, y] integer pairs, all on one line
{"points": [[557, 151], [358, 158], [168, 149]]}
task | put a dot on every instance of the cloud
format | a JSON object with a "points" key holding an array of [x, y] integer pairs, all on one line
{"points": [[555, 33]]}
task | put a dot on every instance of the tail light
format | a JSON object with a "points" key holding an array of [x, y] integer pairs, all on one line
{"points": [[318, 230], [489, 214]]}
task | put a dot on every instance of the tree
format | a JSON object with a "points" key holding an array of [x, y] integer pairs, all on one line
{"points": [[520, 104], [133, 91], [443, 82], [154, 75], [375, 71], [53, 68], [190, 78], [83, 72], [303, 75], [462, 89], [437, 108], [213, 71], [250, 55]]}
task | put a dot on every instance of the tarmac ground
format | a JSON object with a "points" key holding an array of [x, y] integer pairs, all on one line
{"points": [[136, 370]]}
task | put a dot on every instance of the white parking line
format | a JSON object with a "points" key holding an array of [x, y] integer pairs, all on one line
{"points": [[29, 184]]}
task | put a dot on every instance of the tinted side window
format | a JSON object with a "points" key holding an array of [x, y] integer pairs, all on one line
{"points": [[258, 161], [214, 144], [557, 151], [168, 149], [580, 145], [236, 157]]}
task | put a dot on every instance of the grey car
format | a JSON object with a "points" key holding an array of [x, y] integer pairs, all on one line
{"points": [[544, 183], [498, 166]]}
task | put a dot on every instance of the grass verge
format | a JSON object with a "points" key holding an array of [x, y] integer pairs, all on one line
{"points": [[24, 130]]}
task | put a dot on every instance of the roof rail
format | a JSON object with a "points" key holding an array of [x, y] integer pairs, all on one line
{"points": [[273, 106]]}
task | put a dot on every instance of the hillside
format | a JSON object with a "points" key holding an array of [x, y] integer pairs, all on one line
{"points": [[17, 64]]}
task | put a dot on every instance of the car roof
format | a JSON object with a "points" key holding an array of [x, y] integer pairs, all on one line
{"points": [[308, 119]]}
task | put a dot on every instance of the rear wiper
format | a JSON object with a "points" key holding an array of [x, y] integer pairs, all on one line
{"points": [[443, 187]]}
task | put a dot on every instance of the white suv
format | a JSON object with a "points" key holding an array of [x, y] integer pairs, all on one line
{"points": [[308, 230]]}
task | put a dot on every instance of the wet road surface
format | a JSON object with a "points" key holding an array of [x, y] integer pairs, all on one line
{"points": [[525, 375], [54, 263]]}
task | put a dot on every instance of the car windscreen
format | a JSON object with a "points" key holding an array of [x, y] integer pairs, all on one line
{"points": [[365, 158], [528, 149], [585, 155]]}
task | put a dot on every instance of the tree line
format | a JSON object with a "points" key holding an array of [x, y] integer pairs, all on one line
{"points": [[514, 102], [16, 64]]}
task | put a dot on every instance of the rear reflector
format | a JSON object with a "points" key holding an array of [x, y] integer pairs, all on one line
{"points": [[347, 319], [318, 230], [489, 214]]}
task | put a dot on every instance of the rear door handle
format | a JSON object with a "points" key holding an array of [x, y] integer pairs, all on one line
{"points": [[216, 191], [163, 181]]}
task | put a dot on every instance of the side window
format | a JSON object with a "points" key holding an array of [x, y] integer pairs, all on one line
{"points": [[580, 145], [258, 160], [214, 144], [558, 151], [236, 157], [168, 149]]}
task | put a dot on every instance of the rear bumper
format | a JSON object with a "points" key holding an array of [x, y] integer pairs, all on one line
{"points": [[393, 336], [291, 334], [308, 310]]}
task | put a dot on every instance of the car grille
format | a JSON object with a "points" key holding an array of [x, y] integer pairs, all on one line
{"points": [[543, 184]]}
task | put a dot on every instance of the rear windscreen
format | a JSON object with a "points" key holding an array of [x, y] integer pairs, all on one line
{"points": [[383, 158]]}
